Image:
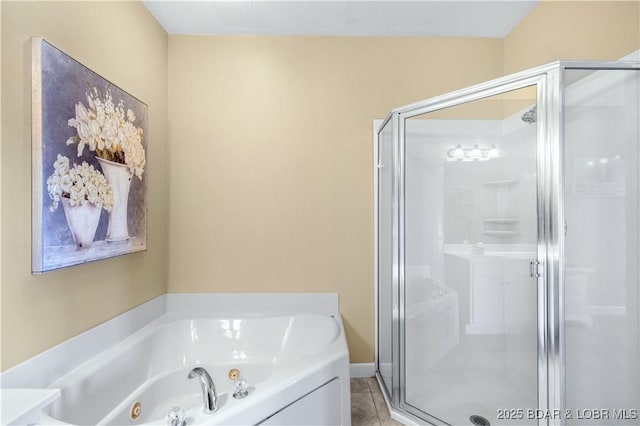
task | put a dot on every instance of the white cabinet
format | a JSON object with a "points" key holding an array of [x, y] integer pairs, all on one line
{"points": [[487, 298], [503, 297], [521, 296]]}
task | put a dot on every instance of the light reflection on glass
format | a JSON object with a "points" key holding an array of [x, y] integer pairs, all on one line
{"points": [[287, 332], [194, 332], [231, 329], [238, 355]]}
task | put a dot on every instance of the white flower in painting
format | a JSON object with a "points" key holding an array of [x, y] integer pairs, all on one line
{"points": [[135, 153], [78, 184], [81, 113], [110, 129], [105, 128]]}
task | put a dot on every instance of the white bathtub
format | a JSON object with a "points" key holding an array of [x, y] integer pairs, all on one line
{"points": [[296, 367]]}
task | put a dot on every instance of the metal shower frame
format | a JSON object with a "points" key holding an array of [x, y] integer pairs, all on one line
{"points": [[549, 82]]}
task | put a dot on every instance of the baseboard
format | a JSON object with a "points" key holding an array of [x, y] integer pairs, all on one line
{"points": [[617, 311], [365, 369]]}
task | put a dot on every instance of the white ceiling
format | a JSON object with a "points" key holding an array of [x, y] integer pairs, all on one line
{"points": [[444, 18]]}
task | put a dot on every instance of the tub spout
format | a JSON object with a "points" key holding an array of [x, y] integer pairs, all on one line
{"points": [[208, 389]]}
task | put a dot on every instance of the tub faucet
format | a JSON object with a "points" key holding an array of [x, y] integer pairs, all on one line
{"points": [[209, 393]]}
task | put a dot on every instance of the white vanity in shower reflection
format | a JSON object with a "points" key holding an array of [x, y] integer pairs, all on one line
{"points": [[497, 286]]}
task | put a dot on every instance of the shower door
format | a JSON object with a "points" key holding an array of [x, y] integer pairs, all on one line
{"points": [[468, 259], [507, 238], [387, 257], [601, 291]]}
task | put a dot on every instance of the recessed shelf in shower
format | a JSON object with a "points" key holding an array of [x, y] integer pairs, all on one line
{"points": [[507, 182], [503, 234], [501, 220], [499, 208]]}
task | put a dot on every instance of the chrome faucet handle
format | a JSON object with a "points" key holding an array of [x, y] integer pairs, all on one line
{"points": [[240, 388], [209, 394], [176, 417]]}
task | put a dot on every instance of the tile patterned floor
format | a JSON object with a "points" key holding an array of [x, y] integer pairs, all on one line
{"points": [[367, 404]]}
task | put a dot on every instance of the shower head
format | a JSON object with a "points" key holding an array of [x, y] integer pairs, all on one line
{"points": [[530, 116]]}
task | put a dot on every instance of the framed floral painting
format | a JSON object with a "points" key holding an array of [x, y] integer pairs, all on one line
{"points": [[89, 164]]}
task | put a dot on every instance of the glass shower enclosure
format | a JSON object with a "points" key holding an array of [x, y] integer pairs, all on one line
{"points": [[507, 240]]}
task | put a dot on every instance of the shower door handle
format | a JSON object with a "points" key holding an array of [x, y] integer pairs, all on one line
{"points": [[534, 269]]}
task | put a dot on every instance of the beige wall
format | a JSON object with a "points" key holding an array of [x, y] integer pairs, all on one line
{"points": [[271, 152], [269, 163], [122, 42], [271, 157], [570, 30], [580, 30]]}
